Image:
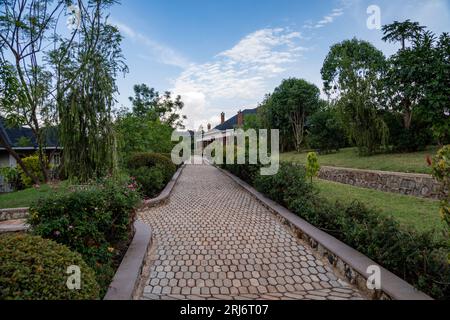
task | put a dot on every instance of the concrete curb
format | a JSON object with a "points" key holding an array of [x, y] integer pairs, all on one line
{"points": [[127, 276], [165, 194], [348, 261], [13, 226]]}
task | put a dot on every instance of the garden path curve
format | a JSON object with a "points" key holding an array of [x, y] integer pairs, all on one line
{"points": [[213, 240]]}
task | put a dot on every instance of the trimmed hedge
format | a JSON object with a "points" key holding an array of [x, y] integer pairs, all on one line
{"points": [[152, 172], [32, 268], [96, 222], [416, 257]]}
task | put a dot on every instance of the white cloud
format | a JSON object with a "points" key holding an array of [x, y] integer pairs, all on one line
{"points": [[325, 20], [160, 52], [238, 74]]}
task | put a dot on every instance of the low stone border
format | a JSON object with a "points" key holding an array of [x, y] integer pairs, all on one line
{"points": [[410, 184], [165, 194], [13, 214], [349, 262], [128, 275]]}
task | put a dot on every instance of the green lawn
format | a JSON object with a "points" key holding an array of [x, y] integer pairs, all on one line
{"points": [[421, 214], [349, 158], [23, 198]]}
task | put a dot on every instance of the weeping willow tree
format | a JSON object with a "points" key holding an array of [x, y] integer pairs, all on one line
{"points": [[364, 125], [85, 104]]}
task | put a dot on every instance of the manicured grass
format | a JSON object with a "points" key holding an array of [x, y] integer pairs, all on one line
{"points": [[24, 198], [421, 214], [349, 158]]}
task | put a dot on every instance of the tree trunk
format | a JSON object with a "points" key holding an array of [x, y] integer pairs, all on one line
{"points": [[407, 115]]}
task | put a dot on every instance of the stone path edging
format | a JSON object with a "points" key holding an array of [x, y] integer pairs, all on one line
{"points": [[165, 194], [127, 276], [13, 214], [347, 260]]}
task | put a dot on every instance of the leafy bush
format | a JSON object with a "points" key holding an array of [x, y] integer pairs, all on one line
{"points": [[408, 140], [32, 268], [441, 171], [325, 132], [95, 222], [416, 257], [12, 177], [152, 172], [287, 186], [33, 165], [312, 165]]}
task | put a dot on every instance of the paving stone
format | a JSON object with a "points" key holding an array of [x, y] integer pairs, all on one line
{"points": [[215, 241]]}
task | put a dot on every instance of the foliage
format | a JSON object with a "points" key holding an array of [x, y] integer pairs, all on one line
{"points": [[32, 268], [149, 104], [95, 221], [137, 134], [418, 258], [441, 171], [252, 121], [288, 108], [351, 75], [417, 80], [26, 28], [151, 171], [312, 165], [414, 139], [402, 32], [12, 177], [84, 107], [325, 131], [286, 186], [32, 164]]}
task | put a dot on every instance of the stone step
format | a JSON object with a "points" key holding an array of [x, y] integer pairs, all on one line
{"points": [[12, 226]]}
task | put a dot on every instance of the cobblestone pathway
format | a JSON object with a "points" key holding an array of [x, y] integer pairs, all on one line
{"points": [[213, 240]]}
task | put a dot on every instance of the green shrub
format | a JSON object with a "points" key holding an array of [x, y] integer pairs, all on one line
{"points": [[95, 222], [32, 268], [152, 172], [312, 165], [287, 186], [33, 165], [416, 257], [151, 180], [12, 177], [441, 171], [325, 132]]}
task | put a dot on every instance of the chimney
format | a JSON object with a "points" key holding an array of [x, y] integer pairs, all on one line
{"points": [[209, 126], [240, 119], [222, 118]]}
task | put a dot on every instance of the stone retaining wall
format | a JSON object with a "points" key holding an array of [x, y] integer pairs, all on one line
{"points": [[13, 214], [418, 185]]}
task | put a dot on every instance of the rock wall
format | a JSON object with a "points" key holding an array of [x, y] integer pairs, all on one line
{"points": [[13, 214], [418, 185]]}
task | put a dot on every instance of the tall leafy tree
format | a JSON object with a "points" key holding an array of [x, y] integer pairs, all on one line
{"points": [[149, 127], [402, 32], [288, 108], [26, 29], [351, 73], [147, 102]]}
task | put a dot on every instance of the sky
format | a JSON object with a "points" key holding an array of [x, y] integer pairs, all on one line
{"points": [[225, 56]]}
